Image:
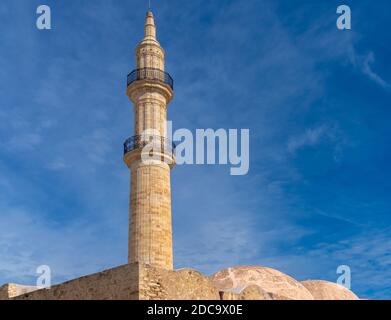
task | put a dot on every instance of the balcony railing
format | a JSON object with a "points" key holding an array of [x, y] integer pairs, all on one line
{"points": [[150, 74], [162, 144]]}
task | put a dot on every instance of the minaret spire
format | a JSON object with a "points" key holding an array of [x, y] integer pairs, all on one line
{"points": [[150, 27]]}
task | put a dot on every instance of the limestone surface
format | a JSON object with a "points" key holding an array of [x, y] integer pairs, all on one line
{"points": [[269, 280], [325, 290], [12, 290]]}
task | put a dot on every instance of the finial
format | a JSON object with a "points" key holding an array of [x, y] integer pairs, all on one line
{"points": [[149, 5]]}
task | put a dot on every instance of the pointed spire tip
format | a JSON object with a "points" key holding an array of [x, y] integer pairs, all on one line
{"points": [[150, 28]]}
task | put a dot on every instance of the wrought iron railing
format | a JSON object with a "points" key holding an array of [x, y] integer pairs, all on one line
{"points": [[161, 143], [150, 74]]}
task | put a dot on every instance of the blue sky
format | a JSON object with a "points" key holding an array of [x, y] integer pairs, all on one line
{"points": [[316, 101]]}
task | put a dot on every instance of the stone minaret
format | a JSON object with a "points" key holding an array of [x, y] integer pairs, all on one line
{"points": [[150, 89]]}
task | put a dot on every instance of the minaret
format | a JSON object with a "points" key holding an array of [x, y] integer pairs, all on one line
{"points": [[150, 89]]}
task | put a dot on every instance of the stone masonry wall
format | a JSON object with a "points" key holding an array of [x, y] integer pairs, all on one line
{"points": [[4, 292], [184, 284], [115, 284], [12, 290], [132, 282]]}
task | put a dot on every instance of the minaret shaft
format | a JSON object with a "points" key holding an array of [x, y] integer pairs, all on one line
{"points": [[150, 228], [150, 112]]}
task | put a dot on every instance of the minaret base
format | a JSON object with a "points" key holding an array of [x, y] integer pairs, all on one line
{"points": [[150, 228]]}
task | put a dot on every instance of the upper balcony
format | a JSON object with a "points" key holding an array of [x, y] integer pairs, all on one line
{"points": [[150, 74]]}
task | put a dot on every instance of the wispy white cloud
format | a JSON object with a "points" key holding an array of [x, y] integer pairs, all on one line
{"points": [[367, 69], [319, 136], [325, 44], [309, 138]]}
